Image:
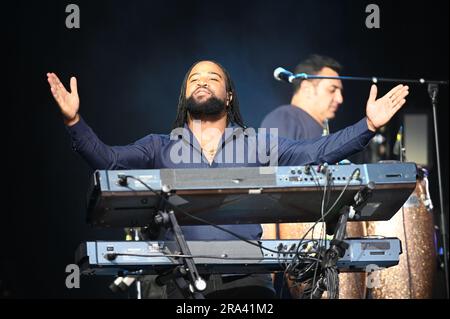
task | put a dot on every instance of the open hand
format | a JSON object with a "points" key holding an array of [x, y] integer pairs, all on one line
{"points": [[380, 111], [69, 103]]}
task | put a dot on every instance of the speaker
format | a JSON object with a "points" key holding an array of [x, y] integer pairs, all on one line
{"points": [[416, 139]]}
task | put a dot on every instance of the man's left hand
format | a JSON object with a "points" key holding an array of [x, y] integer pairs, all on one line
{"points": [[380, 111]]}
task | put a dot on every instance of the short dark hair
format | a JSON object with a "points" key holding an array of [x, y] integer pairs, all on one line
{"points": [[314, 64], [233, 112]]}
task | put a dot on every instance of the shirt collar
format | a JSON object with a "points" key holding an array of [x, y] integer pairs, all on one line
{"points": [[185, 133]]}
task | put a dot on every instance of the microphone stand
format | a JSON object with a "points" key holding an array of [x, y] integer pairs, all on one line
{"points": [[433, 90], [304, 76]]}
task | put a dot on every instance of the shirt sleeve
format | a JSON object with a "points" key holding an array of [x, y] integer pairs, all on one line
{"points": [[327, 149], [98, 155]]}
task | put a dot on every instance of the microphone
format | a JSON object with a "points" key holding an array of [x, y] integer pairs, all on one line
{"points": [[283, 75]]}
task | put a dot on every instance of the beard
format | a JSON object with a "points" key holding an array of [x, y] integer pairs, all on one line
{"points": [[212, 107]]}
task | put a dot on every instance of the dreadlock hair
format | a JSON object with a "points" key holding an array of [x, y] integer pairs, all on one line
{"points": [[313, 65], [233, 113]]}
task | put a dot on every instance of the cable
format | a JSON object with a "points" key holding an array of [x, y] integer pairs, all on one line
{"points": [[194, 217], [345, 188], [332, 207], [296, 256], [291, 268], [323, 229], [322, 208], [319, 188], [331, 274]]}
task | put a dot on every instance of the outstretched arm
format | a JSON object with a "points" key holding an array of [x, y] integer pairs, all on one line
{"points": [[84, 141], [327, 149], [346, 142], [139, 155]]}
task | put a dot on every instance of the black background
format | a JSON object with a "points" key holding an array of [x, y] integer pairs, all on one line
{"points": [[130, 58]]}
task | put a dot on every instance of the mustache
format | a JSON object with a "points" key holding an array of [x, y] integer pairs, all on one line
{"points": [[203, 88]]}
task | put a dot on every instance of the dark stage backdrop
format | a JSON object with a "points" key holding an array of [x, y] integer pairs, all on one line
{"points": [[130, 58]]}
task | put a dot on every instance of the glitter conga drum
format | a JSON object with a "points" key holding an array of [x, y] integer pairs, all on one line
{"points": [[413, 225]]}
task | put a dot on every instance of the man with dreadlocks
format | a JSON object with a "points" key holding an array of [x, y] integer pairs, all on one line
{"points": [[208, 106]]}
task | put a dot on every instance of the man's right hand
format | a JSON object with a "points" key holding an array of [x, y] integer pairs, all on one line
{"points": [[69, 103]]}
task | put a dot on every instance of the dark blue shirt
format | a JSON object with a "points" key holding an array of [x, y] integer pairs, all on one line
{"points": [[293, 122], [156, 151]]}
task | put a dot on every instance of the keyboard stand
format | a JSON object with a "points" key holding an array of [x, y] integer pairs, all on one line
{"points": [[190, 288]]}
